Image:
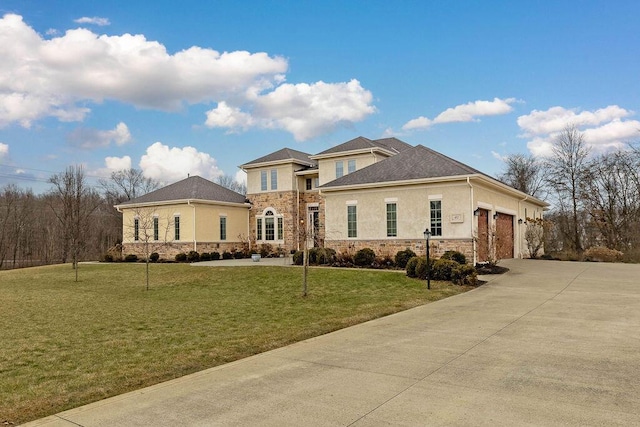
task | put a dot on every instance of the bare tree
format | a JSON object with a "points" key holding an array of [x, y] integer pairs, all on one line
{"points": [[566, 171], [525, 173], [229, 182], [127, 184], [73, 202]]}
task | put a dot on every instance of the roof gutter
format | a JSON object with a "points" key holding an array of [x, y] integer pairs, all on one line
{"points": [[471, 220]]}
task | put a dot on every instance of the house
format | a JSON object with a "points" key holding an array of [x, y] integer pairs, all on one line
{"points": [[190, 215], [381, 194]]}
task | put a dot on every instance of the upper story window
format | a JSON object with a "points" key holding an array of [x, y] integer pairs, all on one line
{"points": [[309, 184], [339, 168], [435, 216], [274, 179], [316, 182], [351, 166], [263, 180]]}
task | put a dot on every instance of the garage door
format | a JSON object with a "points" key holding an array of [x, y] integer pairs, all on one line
{"points": [[483, 235], [504, 236]]}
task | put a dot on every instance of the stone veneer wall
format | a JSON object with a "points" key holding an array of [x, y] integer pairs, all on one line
{"points": [[284, 202], [313, 197], [390, 246], [170, 250]]}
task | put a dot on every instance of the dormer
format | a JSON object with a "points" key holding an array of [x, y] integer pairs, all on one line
{"points": [[276, 171]]}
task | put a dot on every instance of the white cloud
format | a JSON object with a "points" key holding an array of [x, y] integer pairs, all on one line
{"points": [[117, 163], [101, 22], [51, 32], [304, 110], [56, 77], [94, 138], [4, 150], [241, 177], [169, 164], [498, 156], [555, 119], [464, 113], [603, 129]]}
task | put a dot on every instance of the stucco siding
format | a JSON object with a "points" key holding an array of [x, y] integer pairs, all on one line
{"points": [[327, 167], [285, 178]]}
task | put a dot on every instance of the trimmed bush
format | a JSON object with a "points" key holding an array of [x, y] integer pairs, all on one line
{"points": [[455, 256], [181, 257], [154, 257], [464, 274], [238, 254], [298, 256], [411, 266], [421, 268], [107, 258], [205, 256], [193, 256], [442, 269], [215, 256], [226, 255], [131, 258], [364, 257], [322, 256], [403, 257]]}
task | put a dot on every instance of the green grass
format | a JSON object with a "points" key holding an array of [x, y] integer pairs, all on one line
{"points": [[64, 344]]}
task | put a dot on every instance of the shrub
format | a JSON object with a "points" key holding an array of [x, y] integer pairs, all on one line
{"points": [[442, 269], [421, 268], [226, 255], [205, 256], [402, 257], [215, 256], [107, 258], [455, 256], [131, 258], [344, 259], [364, 257], [265, 250], [322, 256], [193, 256], [181, 257], [154, 257], [464, 274], [411, 266], [384, 262], [298, 256], [602, 254], [238, 254]]}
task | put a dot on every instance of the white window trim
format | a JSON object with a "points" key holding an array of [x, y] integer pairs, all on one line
{"points": [[261, 217]]}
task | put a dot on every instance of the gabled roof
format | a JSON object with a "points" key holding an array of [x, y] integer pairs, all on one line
{"points": [[418, 162], [192, 188], [283, 155], [393, 145]]}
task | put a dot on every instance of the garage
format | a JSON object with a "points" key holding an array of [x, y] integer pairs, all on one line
{"points": [[504, 236]]}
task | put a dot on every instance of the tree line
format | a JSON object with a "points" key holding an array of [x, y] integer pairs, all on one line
{"points": [[73, 221], [594, 197]]}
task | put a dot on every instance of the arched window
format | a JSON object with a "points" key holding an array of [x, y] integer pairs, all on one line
{"points": [[269, 226]]}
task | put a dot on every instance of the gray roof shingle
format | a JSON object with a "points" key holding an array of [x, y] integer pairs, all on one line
{"points": [[359, 143], [418, 162], [284, 154], [194, 187]]}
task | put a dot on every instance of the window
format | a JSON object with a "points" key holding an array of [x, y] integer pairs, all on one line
{"points": [[269, 227], [435, 209], [259, 229], [392, 220], [352, 221], [280, 228], [351, 166], [136, 229], [176, 228], [155, 228], [223, 228], [309, 184], [339, 169], [316, 182], [263, 180], [274, 179]]}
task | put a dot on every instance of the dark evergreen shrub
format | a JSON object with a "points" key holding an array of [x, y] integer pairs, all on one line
{"points": [[107, 258], [205, 256], [193, 256], [227, 255], [181, 257], [402, 257], [131, 258], [455, 256], [215, 256], [464, 274], [442, 269], [154, 257], [298, 257], [364, 257], [411, 266]]}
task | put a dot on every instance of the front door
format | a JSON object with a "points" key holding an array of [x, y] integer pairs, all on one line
{"points": [[313, 219]]}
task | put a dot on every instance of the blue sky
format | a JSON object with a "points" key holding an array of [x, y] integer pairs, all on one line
{"points": [[200, 87]]}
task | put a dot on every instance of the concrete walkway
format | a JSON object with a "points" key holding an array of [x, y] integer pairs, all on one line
{"points": [[549, 343]]}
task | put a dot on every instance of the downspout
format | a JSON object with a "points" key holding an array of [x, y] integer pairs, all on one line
{"points": [[472, 219], [195, 243], [297, 227], [519, 227]]}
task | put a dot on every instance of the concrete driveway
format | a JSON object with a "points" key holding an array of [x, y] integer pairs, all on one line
{"points": [[549, 343]]}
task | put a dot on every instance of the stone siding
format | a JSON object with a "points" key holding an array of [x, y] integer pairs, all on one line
{"points": [[284, 203], [170, 250], [390, 247]]}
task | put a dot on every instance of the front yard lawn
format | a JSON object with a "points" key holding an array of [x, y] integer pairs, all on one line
{"points": [[64, 344]]}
